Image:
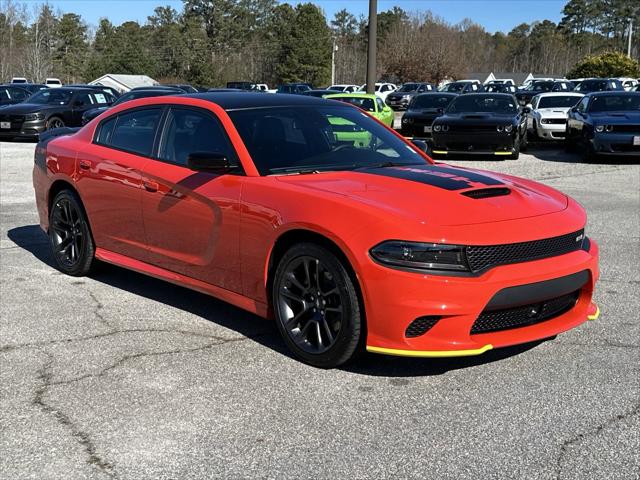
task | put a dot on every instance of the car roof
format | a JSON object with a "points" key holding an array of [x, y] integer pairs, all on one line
{"points": [[352, 95], [240, 101], [560, 94], [612, 93], [440, 94]]}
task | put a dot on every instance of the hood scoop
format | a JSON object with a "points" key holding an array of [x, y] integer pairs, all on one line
{"points": [[487, 192]]}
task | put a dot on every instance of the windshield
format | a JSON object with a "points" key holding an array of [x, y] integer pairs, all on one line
{"points": [[51, 97], [615, 103], [364, 103], [453, 87], [4, 94], [558, 102], [540, 87], [310, 138], [431, 101], [482, 103], [408, 87]]}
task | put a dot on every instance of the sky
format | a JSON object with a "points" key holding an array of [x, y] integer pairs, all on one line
{"points": [[494, 15]]}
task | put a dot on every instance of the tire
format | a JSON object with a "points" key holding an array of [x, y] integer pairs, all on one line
{"points": [[589, 153], [55, 122], [316, 306], [524, 142], [70, 236], [516, 154]]}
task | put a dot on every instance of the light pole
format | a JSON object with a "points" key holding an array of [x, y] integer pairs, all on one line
{"points": [[371, 51], [630, 35], [334, 49]]}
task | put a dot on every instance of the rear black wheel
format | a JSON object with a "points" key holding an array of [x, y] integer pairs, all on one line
{"points": [[69, 235], [516, 151], [55, 122], [524, 142], [316, 306]]}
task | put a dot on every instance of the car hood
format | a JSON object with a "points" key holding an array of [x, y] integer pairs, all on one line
{"points": [[24, 108], [560, 112], [435, 194], [475, 118], [616, 118]]}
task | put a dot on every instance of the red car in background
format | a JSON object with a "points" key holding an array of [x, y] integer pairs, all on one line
{"points": [[312, 212]]}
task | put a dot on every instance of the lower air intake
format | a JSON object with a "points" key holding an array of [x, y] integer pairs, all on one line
{"points": [[496, 320], [420, 326]]}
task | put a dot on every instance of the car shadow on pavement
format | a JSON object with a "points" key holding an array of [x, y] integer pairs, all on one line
{"points": [[552, 152], [32, 239]]}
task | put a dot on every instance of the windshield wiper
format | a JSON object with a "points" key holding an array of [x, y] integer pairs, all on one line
{"points": [[310, 169]]}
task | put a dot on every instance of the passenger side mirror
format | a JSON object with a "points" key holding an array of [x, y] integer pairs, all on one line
{"points": [[211, 162], [422, 145], [526, 109]]}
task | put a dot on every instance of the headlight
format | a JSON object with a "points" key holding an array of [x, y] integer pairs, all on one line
{"points": [[600, 128], [500, 128], [407, 120], [604, 128], [421, 256], [34, 116], [406, 97], [544, 120], [437, 128], [445, 128], [508, 128]]}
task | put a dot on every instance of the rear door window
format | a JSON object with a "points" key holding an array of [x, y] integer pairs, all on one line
{"points": [[134, 131]]}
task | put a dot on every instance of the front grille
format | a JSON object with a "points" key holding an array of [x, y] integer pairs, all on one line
{"points": [[483, 257], [473, 128], [493, 321], [11, 118], [626, 128], [420, 326], [555, 121]]}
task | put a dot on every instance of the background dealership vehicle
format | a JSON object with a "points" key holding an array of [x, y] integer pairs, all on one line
{"points": [[549, 111], [423, 110], [30, 87], [141, 92], [493, 87], [347, 88], [53, 82], [275, 192], [47, 109], [185, 87], [399, 100], [319, 93], [599, 85], [11, 94], [294, 88], [382, 89], [99, 88], [606, 123], [528, 82], [525, 95], [627, 83], [482, 124], [19, 80], [504, 81], [370, 103], [462, 86]]}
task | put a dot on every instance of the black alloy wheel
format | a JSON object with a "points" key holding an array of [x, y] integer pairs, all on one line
{"points": [[55, 122], [316, 306], [69, 235]]}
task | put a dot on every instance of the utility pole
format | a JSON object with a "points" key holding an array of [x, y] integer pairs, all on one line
{"points": [[630, 35], [334, 49], [371, 51]]}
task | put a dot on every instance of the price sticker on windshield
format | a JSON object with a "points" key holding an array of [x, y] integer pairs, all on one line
{"points": [[636, 141], [5, 125]]}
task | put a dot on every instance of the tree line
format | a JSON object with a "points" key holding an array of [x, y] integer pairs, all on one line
{"points": [[211, 42]]}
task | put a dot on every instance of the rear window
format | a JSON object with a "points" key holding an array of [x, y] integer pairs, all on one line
{"points": [[132, 131]]}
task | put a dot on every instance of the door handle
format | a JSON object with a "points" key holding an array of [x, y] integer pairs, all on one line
{"points": [[85, 164], [150, 186]]}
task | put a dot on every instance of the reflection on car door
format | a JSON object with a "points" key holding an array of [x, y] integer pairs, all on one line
{"points": [[192, 219], [110, 179]]}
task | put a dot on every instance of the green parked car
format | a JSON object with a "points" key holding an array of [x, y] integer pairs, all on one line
{"points": [[370, 103]]}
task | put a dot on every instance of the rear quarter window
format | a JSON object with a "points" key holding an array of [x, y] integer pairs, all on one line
{"points": [[131, 131]]}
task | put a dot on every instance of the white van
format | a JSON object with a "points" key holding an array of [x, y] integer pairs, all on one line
{"points": [[53, 82]]}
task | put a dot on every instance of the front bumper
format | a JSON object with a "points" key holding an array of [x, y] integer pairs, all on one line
{"points": [[26, 130], [396, 298], [473, 143], [621, 144], [551, 131], [418, 128]]}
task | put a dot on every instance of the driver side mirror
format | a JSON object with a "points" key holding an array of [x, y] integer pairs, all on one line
{"points": [[422, 145], [526, 109], [211, 162]]}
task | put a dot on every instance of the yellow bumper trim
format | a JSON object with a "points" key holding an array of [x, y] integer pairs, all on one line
{"points": [[440, 152], [502, 153], [430, 353], [595, 315]]}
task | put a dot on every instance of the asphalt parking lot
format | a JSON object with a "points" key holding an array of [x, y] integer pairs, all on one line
{"points": [[123, 376]]}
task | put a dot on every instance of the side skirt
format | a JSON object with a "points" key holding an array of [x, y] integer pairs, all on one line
{"points": [[233, 298]]}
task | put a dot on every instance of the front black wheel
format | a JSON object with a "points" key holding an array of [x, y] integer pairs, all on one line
{"points": [[70, 236], [54, 122], [316, 306]]}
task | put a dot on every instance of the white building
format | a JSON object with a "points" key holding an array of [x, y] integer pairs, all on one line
{"points": [[124, 83]]}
